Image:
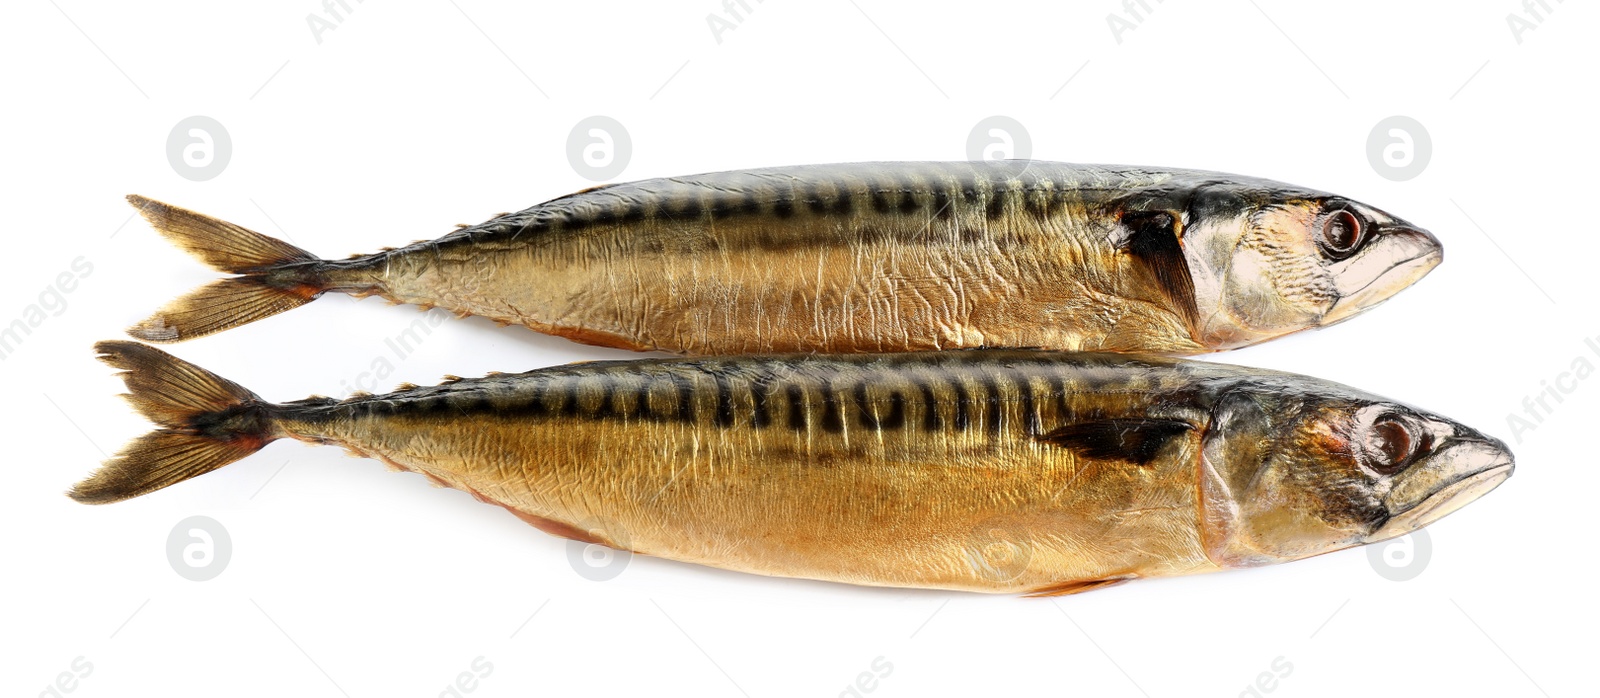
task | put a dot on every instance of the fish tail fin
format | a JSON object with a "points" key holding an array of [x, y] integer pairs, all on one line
{"points": [[274, 275], [206, 421]]}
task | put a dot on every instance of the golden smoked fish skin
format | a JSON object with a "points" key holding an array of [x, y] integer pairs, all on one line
{"points": [[983, 470], [864, 257]]}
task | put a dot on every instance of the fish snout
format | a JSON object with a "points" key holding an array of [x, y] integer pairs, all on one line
{"points": [[1463, 469], [1397, 256]]}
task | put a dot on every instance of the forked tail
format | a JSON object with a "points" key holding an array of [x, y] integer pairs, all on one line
{"points": [[206, 421], [274, 275]]}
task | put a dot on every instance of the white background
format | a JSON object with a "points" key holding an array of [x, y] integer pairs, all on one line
{"points": [[409, 117]]}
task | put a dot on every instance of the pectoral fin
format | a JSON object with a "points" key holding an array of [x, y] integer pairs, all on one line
{"points": [[1137, 440], [1154, 238]]}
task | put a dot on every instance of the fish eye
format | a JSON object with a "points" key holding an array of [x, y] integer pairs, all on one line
{"points": [[1394, 445], [1341, 234]]}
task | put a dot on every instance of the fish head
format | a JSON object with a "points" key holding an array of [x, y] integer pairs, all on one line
{"points": [[1289, 473], [1267, 260]]}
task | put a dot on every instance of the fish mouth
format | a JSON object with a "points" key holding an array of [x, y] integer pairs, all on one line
{"points": [[1396, 257], [1450, 479]]}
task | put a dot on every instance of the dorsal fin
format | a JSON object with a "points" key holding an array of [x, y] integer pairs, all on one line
{"points": [[1154, 238], [594, 188], [1137, 440]]}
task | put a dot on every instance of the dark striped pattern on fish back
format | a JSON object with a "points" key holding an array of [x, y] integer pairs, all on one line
{"points": [[920, 191], [976, 393]]}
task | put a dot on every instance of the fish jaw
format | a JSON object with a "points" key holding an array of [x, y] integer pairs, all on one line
{"points": [[1399, 257], [1451, 479]]}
